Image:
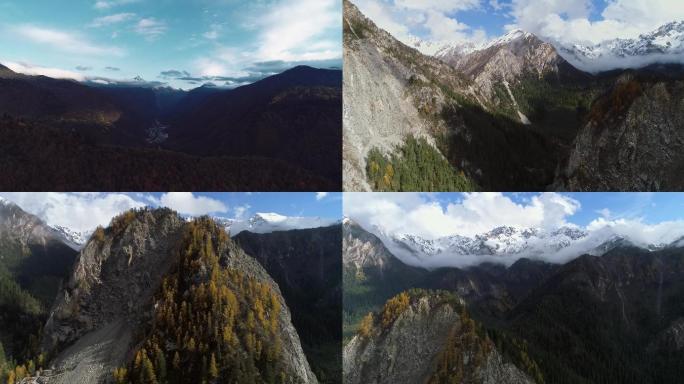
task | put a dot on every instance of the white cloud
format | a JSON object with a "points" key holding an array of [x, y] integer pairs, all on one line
{"points": [[189, 204], [240, 212], [605, 213], [107, 4], [150, 28], [290, 27], [111, 19], [438, 5], [474, 214], [432, 21], [34, 70], [64, 41], [77, 211], [321, 195]]}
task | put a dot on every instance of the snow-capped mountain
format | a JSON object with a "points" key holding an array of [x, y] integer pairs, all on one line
{"points": [[507, 244], [664, 45], [271, 222], [75, 239], [449, 52], [499, 241]]}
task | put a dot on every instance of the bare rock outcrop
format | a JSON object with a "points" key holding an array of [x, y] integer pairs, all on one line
{"points": [[411, 348], [634, 140]]}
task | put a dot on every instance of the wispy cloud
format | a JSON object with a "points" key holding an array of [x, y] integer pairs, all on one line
{"points": [[150, 28], [321, 195], [111, 19], [107, 4], [64, 41]]}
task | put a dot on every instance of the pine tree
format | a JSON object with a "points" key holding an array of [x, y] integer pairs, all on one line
{"points": [[149, 377], [176, 362], [160, 362], [366, 325], [213, 369], [11, 377]]}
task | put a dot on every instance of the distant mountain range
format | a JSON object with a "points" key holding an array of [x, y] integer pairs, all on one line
{"points": [[663, 45], [283, 131], [272, 222], [508, 244], [517, 113]]}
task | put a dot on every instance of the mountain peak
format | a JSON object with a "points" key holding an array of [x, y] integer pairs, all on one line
{"points": [[269, 217]]}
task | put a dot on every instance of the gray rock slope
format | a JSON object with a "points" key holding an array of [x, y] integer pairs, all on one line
{"points": [[110, 296], [634, 140], [388, 94], [408, 351]]}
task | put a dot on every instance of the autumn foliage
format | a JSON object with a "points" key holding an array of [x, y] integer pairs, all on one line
{"points": [[211, 323]]}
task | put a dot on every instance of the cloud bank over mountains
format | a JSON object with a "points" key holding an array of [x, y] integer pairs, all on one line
{"points": [[469, 229]]}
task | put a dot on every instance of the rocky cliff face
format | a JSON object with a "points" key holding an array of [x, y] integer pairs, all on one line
{"points": [[113, 294], [634, 140], [373, 61], [109, 295], [428, 334]]}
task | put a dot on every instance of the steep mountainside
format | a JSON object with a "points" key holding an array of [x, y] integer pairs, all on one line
{"points": [[507, 60], [34, 259], [153, 293], [374, 60], [43, 97], [371, 275], [293, 116], [423, 337], [307, 266], [633, 301], [633, 139]]}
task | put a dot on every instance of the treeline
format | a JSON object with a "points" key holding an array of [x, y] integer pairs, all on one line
{"points": [[211, 323], [414, 166]]}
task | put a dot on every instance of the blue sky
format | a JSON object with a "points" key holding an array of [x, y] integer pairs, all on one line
{"points": [[85, 211], [443, 214], [184, 43], [478, 21]]}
